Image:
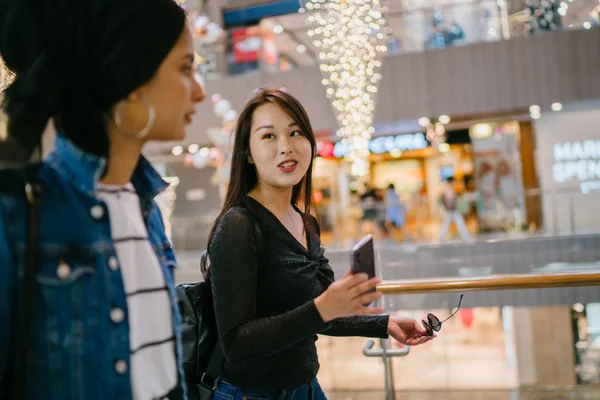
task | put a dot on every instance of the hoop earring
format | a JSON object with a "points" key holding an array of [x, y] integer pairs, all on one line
{"points": [[149, 124]]}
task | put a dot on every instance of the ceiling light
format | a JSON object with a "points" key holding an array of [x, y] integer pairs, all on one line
{"points": [[481, 131], [396, 153], [193, 148], [557, 106], [535, 115], [177, 150], [535, 109], [301, 48], [587, 25], [424, 121], [278, 28], [578, 308], [444, 147], [444, 119]]}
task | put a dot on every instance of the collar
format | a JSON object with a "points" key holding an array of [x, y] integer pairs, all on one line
{"points": [[84, 170]]}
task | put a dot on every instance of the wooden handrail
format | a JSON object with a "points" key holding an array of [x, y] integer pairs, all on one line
{"points": [[491, 282]]}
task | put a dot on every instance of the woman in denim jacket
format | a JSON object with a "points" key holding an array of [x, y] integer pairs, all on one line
{"points": [[112, 75]]}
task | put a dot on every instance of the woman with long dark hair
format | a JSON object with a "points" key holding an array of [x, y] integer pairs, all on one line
{"points": [[104, 323], [273, 288]]}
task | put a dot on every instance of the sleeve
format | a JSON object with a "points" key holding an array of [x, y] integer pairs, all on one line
{"points": [[233, 268], [360, 326], [7, 288]]}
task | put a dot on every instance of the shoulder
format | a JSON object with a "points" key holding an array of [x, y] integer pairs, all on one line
{"points": [[236, 221], [236, 215]]}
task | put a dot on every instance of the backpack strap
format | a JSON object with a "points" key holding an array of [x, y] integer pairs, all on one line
{"points": [[214, 367], [13, 181]]}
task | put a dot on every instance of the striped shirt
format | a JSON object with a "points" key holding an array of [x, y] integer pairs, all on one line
{"points": [[153, 364]]}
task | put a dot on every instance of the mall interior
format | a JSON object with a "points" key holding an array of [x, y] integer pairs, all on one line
{"points": [[502, 96]]}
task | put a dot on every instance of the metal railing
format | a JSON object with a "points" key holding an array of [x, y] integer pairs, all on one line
{"points": [[462, 284], [491, 282]]}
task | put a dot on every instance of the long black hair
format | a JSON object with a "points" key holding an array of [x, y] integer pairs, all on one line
{"points": [[73, 60], [243, 177]]}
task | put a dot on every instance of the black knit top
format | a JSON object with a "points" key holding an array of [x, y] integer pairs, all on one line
{"points": [[264, 291]]}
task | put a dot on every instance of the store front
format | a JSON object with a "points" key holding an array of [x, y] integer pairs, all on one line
{"points": [[498, 176], [568, 153], [409, 162]]}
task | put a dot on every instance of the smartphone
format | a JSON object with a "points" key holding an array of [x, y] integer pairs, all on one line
{"points": [[362, 258]]}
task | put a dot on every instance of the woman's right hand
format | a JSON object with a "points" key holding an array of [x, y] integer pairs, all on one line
{"points": [[345, 297]]}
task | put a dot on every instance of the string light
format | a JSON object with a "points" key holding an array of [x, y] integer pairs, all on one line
{"points": [[347, 34], [166, 203], [6, 78]]}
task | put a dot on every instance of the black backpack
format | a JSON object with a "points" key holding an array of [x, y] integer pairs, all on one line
{"points": [[202, 354]]}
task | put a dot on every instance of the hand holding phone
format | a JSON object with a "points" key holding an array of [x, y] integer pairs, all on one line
{"points": [[346, 297]]}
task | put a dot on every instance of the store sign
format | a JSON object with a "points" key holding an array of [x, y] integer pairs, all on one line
{"points": [[577, 161], [385, 144], [246, 43]]}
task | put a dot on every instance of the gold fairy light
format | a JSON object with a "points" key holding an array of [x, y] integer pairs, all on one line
{"points": [[6, 78], [166, 203], [348, 35]]}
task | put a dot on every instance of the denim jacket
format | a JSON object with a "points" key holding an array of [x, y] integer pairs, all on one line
{"points": [[76, 351]]}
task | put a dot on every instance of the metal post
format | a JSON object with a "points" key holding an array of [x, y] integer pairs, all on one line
{"points": [[572, 214], [390, 393], [386, 355], [388, 365], [555, 215]]}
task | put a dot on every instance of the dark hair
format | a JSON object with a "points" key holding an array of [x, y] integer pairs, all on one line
{"points": [[74, 60], [450, 179], [243, 176], [391, 186]]}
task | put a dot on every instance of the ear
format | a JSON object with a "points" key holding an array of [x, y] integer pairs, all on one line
{"points": [[136, 95], [133, 97], [250, 159]]}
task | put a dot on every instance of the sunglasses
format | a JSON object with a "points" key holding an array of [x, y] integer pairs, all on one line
{"points": [[433, 323]]}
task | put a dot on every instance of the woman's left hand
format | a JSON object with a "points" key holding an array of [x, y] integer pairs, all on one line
{"points": [[408, 331]]}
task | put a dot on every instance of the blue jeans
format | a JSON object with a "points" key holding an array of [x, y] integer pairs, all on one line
{"points": [[226, 391]]}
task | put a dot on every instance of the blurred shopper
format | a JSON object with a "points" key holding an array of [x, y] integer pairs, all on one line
{"points": [[442, 35], [421, 213], [273, 288], [507, 185], [382, 225], [372, 213], [449, 200], [394, 210], [113, 75]]}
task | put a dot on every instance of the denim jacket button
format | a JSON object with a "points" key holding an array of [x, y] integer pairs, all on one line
{"points": [[113, 263], [64, 270], [121, 367], [117, 315], [97, 211]]}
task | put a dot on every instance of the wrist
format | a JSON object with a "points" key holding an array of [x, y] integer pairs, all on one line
{"points": [[322, 309]]}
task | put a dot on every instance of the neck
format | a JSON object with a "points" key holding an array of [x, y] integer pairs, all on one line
{"points": [[123, 156], [277, 200]]}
